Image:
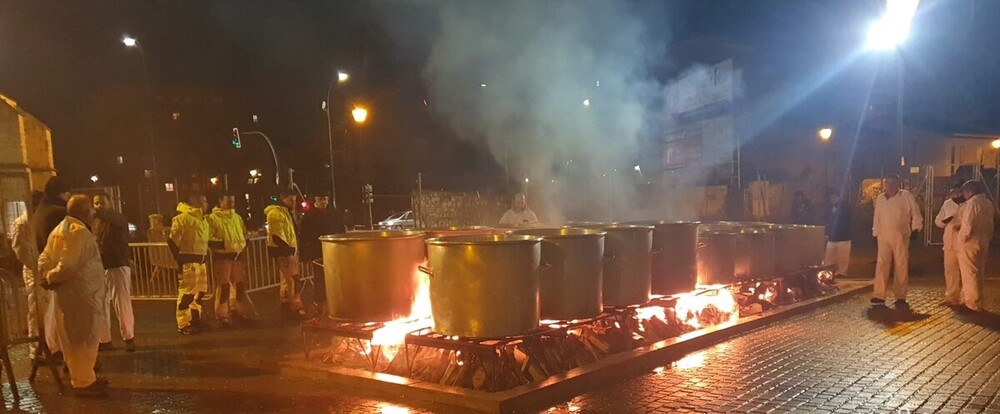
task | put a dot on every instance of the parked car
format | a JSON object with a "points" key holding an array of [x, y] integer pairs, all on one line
{"points": [[402, 220]]}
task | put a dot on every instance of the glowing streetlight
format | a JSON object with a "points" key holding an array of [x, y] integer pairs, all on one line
{"points": [[343, 76], [94, 178], [586, 102], [995, 144], [129, 41], [526, 179], [360, 114], [254, 173], [892, 29], [637, 168], [825, 133], [214, 180]]}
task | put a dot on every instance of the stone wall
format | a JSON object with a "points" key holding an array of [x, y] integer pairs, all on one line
{"points": [[449, 208]]}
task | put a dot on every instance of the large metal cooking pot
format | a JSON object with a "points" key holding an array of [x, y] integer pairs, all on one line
{"points": [[371, 276], [788, 245], [675, 265], [755, 253], [813, 245], [458, 231], [717, 252], [484, 286], [572, 273], [628, 266]]}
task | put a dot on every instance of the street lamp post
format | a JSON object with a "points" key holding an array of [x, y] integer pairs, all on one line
{"points": [[360, 115], [824, 135], [341, 78], [888, 33], [133, 43], [277, 169]]}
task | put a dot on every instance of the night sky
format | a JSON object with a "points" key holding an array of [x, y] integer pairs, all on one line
{"points": [[64, 62]]}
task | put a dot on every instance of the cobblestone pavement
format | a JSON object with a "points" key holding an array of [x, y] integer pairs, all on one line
{"points": [[837, 359]]}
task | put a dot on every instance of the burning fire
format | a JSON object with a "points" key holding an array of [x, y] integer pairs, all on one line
{"points": [[392, 335], [690, 306]]}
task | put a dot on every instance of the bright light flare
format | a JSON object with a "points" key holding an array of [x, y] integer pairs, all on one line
{"points": [[254, 173], [825, 133], [214, 180], [343, 76], [995, 144], [360, 114], [129, 41], [586, 102], [94, 178], [893, 27]]}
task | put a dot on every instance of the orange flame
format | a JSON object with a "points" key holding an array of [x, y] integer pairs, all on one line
{"points": [[392, 335]]}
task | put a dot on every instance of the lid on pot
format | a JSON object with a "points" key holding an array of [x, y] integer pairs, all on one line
{"points": [[368, 235], [560, 233], [496, 239]]}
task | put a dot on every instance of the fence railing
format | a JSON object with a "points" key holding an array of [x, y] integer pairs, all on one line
{"points": [[155, 272]]}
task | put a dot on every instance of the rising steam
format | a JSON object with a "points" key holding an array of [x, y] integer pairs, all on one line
{"points": [[560, 91]]}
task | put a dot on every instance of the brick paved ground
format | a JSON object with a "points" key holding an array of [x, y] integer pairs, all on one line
{"points": [[840, 359], [837, 359]]}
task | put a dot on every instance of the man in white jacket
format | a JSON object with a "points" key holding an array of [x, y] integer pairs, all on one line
{"points": [[975, 232], [71, 265], [897, 216], [947, 219], [39, 300]]}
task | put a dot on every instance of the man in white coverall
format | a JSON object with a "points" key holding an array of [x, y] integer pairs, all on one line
{"points": [[947, 219], [974, 234], [897, 216], [519, 215], [71, 265], [39, 300]]}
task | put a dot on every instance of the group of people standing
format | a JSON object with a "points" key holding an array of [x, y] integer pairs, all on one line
{"points": [[221, 236], [967, 218], [75, 255], [74, 252]]}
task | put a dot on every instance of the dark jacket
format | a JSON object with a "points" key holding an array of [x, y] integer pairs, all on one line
{"points": [[49, 213], [315, 223], [111, 230], [838, 222], [802, 211]]}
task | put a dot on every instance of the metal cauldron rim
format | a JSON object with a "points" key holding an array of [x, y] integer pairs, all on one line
{"points": [[370, 235], [483, 240], [457, 228], [660, 222], [572, 233]]}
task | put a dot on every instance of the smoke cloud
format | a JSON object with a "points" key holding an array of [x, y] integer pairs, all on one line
{"points": [[560, 91]]}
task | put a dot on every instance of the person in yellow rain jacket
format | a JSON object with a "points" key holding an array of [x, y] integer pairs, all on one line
{"points": [[189, 243], [227, 239], [282, 245]]}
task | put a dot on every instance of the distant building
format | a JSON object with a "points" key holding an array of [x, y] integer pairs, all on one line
{"points": [[26, 161]]}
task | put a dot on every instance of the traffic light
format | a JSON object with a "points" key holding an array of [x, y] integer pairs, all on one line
{"points": [[367, 196], [237, 142]]}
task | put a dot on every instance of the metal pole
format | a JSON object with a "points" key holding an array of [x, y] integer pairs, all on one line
{"points": [[420, 200], [151, 131], [277, 170], [225, 181], [899, 108], [329, 136]]}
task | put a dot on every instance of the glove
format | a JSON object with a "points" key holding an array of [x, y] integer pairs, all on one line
{"points": [[48, 286]]}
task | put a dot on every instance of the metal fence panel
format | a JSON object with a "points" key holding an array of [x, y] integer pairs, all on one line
{"points": [[155, 273]]}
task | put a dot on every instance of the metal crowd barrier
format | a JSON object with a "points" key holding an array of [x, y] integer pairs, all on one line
{"points": [[155, 273]]}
